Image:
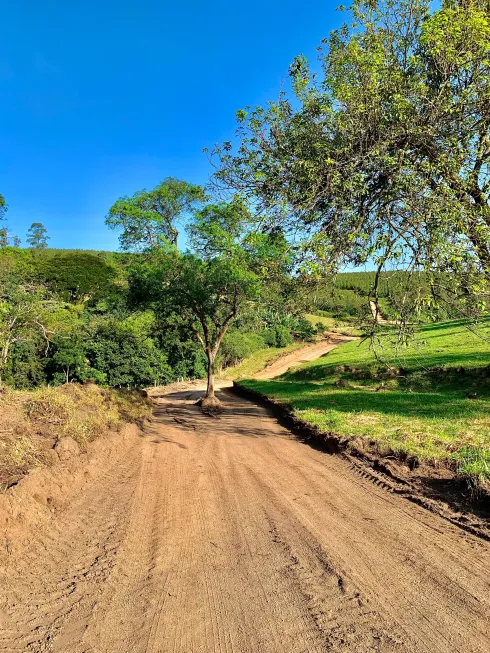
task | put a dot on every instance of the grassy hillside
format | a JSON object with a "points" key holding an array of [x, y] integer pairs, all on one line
{"points": [[431, 401], [347, 297]]}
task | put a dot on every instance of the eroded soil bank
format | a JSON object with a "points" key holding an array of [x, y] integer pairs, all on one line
{"points": [[228, 534]]}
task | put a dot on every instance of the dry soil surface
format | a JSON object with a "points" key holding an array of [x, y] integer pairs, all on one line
{"points": [[229, 535], [303, 355]]}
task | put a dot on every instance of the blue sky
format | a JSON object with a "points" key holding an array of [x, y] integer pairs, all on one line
{"points": [[100, 99]]}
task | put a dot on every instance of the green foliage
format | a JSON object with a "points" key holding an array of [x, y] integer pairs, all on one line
{"points": [[215, 229], [22, 317], [473, 464], [430, 400], [126, 357], [25, 365], [347, 295], [69, 361], [303, 329], [341, 304], [148, 218], [384, 158], [277, 336], [237, 346], [3, 206], [76, 276], [37, 236]]}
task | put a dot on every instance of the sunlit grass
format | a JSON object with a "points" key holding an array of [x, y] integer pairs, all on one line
{"points": [[333, 324], [431, 400], [258, 360]]}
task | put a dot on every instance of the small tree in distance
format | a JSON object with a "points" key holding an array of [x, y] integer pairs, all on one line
{"points": [[37, 236]]}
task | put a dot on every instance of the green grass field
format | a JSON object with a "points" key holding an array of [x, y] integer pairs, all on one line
{"points": [[431, 400]]}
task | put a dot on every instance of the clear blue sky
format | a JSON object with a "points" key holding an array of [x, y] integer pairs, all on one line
{"points": [[100, 99]]}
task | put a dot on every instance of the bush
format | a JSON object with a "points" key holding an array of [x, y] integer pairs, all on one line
{"points": [[237, 346], [126, 359], [283, 336], [277, 336], [303, 330]]}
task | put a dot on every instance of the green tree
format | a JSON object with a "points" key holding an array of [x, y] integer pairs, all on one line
{"points": [[209, 288], [77, 276], [37, 236], [8, 239], [149, 217], [126, 354], [386, 156], [3, 206], [70, 358], [207, 294], [23, 312]]}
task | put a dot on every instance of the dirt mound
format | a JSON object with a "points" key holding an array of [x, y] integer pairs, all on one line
{"points": [[34, 503], [32, 423]]}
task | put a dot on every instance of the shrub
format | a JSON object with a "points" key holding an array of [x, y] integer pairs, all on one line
{"points": [[283, 336], [237, 346], [303, 330]]}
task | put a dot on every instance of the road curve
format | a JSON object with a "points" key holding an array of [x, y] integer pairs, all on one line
{"points": [[228, 535], [304, 355]]}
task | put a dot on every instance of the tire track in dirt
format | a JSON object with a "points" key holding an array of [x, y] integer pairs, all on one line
{"points": [[230, 536], [57, 574]]}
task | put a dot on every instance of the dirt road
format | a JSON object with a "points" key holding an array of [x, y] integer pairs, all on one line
{"points": [[376, 313], [229, 535], [303, 355]]}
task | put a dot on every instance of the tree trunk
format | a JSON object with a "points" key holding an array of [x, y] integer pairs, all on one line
{"points": [[211, 362], [4, 359], [5, 353]]}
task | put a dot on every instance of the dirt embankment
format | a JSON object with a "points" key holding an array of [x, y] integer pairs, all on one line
{"points": [[39, 427], [434, 488]]}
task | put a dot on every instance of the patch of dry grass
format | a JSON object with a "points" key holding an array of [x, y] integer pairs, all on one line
{"points": [[31, 422]]}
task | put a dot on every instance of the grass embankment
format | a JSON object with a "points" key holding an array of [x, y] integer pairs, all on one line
{"points": [[333, 324], [258, 360], [31, 423], [431, 401]]}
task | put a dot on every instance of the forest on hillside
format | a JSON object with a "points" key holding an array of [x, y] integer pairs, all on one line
{"points": [[71, 315]]}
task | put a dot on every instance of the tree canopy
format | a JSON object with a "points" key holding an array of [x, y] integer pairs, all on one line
{"points": [[385, 155], [150, 217], [37, 236], [207, 288]]}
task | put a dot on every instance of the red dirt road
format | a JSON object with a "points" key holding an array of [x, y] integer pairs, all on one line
{"points": [[229, 535]]}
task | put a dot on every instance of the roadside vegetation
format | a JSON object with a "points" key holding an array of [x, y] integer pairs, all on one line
{"points": [[429, 402], [32, 423], [258, 360]]}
